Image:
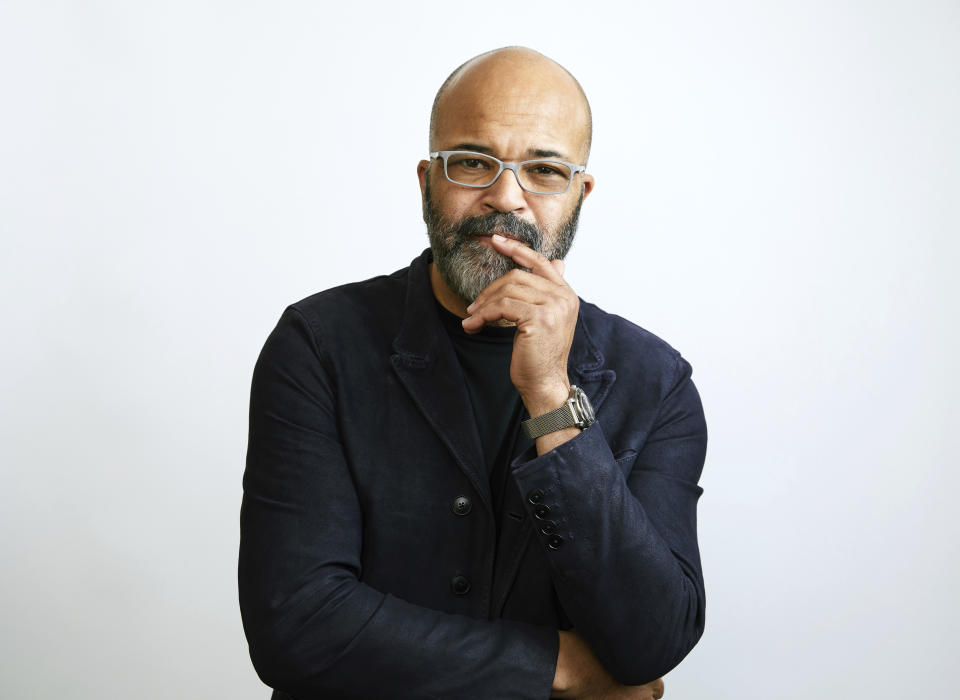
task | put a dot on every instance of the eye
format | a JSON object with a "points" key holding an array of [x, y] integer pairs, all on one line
{"points": [[472, 163], [544, 169]]}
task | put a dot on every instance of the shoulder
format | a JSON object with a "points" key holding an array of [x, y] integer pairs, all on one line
{"points": [[650, 382], [343, 321], [373, 303], [359, 297], [624, 344]]}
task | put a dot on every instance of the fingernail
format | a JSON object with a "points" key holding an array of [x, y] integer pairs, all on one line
{"points": [[470, 308], [498, 237]]}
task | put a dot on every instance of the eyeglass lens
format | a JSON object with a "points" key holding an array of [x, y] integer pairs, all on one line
{"points": [[477, 170]]}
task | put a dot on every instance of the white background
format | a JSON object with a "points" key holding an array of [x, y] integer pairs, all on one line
{"points": [[777, 196]]}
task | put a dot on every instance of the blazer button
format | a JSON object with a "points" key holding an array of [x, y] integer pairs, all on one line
{"points": [[555, 542], [535, 496], [548, 528], [461, 505], [542, 512], [460, 585]]}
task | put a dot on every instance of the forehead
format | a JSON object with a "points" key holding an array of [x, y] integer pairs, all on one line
{"points": [[513, 110]]}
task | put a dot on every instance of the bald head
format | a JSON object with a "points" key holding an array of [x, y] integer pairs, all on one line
{"points": [[510, 82]]}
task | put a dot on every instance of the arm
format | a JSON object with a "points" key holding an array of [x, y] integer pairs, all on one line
{"points": [[628, 569], [314, 628]]}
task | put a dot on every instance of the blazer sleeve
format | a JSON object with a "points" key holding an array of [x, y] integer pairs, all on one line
{"points": [[314, 628], [623, 552]]}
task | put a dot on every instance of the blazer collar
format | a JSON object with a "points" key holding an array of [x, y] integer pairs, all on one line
{"points": [[420, 328]]}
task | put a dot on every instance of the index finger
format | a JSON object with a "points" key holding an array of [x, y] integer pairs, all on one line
{"points": [[526, 257]]}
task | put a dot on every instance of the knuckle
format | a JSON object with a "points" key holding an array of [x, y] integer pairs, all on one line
{"points": [[510, 288], [562, 302]]}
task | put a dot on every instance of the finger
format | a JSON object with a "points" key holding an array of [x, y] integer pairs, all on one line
{"points": [[518, 284], [505, 308], [526, 257], [560, 265]]}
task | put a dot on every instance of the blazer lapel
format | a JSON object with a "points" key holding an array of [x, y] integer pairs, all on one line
{"points": [[427, 366], [585, 367]]}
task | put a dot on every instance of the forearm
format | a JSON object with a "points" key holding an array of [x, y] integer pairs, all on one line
{"points": [[622, 541], [353, 641], [627, 593]]}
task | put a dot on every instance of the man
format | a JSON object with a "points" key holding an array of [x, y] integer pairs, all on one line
{"points": [[401, 535]]}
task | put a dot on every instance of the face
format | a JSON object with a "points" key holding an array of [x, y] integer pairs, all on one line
{"points": [[515, 111]]}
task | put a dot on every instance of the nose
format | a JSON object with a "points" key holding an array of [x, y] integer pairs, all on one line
{"points": [[505, 195]]}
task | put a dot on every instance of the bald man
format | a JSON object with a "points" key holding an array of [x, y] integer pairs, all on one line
{"points": [[462, 480]]}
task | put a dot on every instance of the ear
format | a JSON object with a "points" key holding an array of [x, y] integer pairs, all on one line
{"points": [[423, 170], [587, 184]]}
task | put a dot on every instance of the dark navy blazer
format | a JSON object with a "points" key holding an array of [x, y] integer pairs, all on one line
{"points": [[361, 576]]}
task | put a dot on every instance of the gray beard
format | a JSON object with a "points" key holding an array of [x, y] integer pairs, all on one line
{"points": [[467, 265]]}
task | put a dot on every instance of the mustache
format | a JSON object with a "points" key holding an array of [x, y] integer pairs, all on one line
{"points": [[503, 223]]}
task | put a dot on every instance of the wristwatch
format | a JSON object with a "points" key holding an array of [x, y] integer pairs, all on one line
{"points": [[577, 411]]}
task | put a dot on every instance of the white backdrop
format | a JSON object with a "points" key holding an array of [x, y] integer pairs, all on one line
{"points": [[777, 196]]}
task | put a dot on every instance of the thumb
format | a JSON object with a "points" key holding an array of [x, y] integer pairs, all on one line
{"points": [[559, 265]]}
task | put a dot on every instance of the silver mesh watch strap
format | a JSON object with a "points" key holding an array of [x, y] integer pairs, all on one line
{"points": [[557, 419]]}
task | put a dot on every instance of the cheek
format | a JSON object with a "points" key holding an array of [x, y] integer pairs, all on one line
{"points": [[456, 204], [549, 215]]}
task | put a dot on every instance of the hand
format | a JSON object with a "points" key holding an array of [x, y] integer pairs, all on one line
{"points": [[545, 309], [652, 690], [580, 675], [649, 691]]}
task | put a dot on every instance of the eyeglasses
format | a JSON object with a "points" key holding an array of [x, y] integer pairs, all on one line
{"points": [[472, 169]]}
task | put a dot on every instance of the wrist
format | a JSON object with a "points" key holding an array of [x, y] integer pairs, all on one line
{"points": [[546, 398]]}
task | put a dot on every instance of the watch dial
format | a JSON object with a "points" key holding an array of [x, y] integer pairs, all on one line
{"points": [[584, 408]]}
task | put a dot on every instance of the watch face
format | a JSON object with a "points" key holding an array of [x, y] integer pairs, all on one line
{"points": [[583, 409]]}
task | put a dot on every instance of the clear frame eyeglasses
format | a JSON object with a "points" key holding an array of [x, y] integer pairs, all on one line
{"points": [[472, 169]]}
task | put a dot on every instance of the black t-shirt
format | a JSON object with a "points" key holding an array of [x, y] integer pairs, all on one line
{"points": [[485, 360]]}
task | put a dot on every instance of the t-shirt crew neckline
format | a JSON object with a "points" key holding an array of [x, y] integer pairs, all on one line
{"points": [[488, 334]]}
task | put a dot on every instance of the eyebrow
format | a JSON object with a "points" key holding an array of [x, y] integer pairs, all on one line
{"points": [[535, 152], [541, 153]]}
